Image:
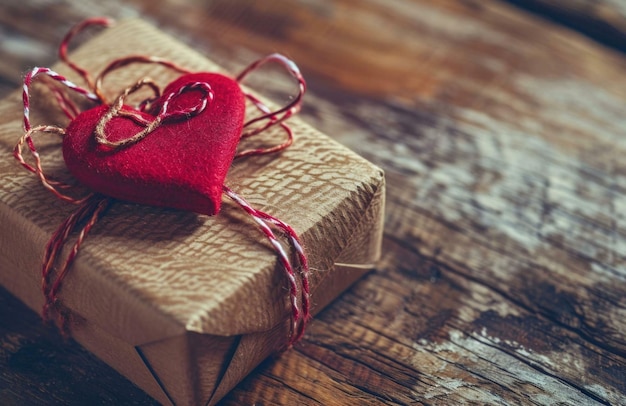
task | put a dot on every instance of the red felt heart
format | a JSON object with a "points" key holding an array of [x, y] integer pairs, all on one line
{"points": [[182, 164]]}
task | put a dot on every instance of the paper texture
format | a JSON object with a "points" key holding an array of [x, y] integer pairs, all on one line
{"points": [[186, 305]]}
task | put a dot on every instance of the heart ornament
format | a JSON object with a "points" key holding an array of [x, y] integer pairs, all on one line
{"points": [[176, 154]]}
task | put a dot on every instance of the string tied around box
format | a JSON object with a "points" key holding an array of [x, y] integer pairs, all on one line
{"points": [[196, 100]]}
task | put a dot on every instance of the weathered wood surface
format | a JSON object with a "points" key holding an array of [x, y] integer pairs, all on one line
{"points": [[603, 20], [504, 274]]}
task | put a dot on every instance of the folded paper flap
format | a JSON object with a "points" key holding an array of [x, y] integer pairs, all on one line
{"points": [[145, 274]]}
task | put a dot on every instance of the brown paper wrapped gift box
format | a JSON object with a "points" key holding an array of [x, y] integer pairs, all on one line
{"points": [[186, 305]]}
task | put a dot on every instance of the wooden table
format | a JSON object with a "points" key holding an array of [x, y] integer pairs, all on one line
{"points": [[502, 135]]}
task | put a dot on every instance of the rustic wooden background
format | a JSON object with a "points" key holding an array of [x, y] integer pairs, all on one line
{"points": [[502, 130]]}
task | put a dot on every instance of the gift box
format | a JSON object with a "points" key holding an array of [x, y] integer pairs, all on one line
{"points": [[186, 305]]}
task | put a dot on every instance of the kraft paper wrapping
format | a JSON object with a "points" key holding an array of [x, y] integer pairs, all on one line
{"points": [[186, 305]]}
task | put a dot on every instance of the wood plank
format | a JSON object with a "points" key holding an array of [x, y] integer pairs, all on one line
{"points": [[450, 346], [602, 20], [501, 134]]}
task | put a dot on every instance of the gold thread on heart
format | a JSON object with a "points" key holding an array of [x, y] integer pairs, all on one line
{"points": [[164, 113]]}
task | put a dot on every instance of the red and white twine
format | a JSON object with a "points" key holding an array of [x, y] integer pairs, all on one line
{"points": [[55, 76], [299, 318]]}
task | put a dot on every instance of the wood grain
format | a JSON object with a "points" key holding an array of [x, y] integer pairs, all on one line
{"points": [[602, 20], [504, 277]]}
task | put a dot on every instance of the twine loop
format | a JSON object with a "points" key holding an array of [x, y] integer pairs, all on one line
{"points": [[116, 110]]}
